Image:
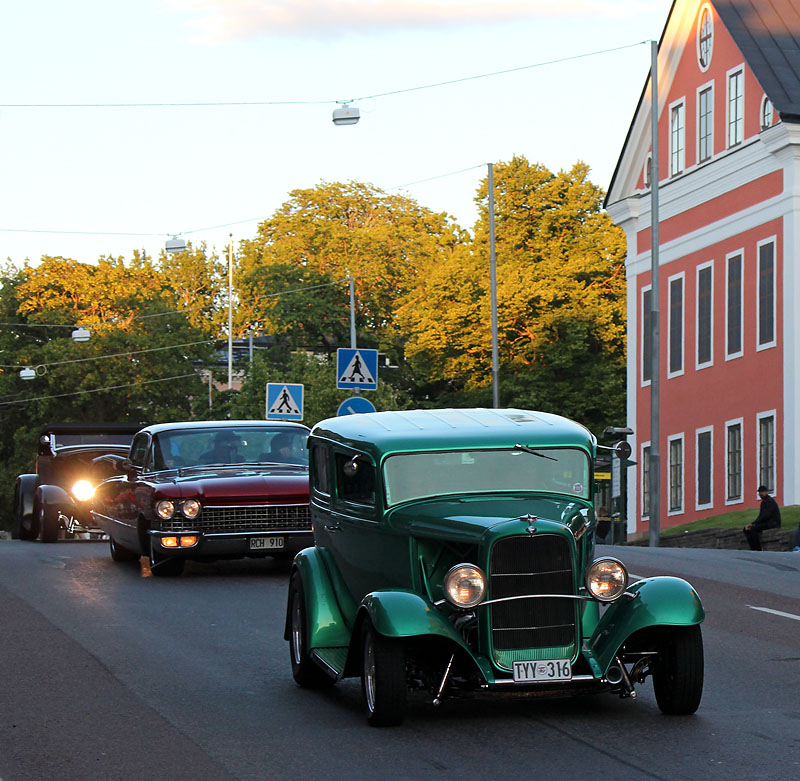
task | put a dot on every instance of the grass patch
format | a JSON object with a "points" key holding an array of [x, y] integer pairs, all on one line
{"points": [[736, 519]]}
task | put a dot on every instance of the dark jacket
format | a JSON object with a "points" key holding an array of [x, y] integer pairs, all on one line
{"points": [[769, 517]]}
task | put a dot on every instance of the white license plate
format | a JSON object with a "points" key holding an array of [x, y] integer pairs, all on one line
{"points": [[266, 543], [544, 670]]}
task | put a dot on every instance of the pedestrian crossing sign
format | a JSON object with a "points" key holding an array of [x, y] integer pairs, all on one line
{"points": [[356, 368], [284, 401]]}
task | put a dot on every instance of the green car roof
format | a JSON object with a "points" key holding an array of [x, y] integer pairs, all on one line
{"points": [[383, 433]]}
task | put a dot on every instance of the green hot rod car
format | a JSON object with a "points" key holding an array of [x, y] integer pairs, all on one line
{"points": [[455, 554]]}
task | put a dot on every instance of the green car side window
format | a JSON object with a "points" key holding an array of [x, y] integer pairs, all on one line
{"points": [[355, 478]]}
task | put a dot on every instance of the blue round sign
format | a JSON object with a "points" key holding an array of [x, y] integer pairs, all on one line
{"points": [[355, 405]]}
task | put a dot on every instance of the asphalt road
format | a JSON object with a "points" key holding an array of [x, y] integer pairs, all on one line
{"points": [[109, 673]]}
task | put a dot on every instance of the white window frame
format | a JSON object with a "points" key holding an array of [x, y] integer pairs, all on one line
{"points": [[674, 170], [728, 355], [646, 288], [759, 417], [703, 8], [644, 511], [728, 424], [697, 433], [670, 440], [774, 241], [678, 372], [739, 69], [709, 85], [765, 102], [710, 362]]}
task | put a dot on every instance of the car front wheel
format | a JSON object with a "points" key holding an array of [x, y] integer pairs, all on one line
{"points": [[678, 670], [23, 526], [48, 522], [304, 670], [120, 553], [162, 566], [383, 678]]}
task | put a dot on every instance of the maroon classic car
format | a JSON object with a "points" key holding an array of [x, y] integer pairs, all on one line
{"points": [[208, 490]]}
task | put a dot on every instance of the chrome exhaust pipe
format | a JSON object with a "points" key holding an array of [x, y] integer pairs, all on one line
{"points": [[614, 674]]}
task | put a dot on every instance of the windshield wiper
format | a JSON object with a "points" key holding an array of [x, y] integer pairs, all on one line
{"points": [[526, 449]]}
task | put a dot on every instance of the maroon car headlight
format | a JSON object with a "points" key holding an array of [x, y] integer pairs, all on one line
{"points": [[191, 508], [165, 509]]}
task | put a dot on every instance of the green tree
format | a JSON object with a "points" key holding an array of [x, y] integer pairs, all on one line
{"points": [[293, 275], [561, 300]]}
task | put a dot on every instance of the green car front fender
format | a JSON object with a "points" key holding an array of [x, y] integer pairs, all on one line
{"points": [[326, 625], [406, 614], [659, 601]]}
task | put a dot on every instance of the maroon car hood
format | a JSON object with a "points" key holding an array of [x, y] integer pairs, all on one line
{"points": [[246, 485]]}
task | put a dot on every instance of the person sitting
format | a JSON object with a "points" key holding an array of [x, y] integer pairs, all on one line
{"points": [[282, 450], [225, 450], [769, 517]]}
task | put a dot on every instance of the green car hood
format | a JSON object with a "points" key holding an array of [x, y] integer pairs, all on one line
{"points": [[469, 518]]}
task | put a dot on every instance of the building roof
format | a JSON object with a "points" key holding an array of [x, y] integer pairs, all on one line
{"points": [[768, 34]]}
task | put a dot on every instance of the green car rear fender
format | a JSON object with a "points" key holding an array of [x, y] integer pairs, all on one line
{"points": [[659, 601], [326, 624]]}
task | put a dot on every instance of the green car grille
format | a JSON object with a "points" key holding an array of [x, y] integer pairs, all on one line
{"points": [[245, 519], [532, 628]]}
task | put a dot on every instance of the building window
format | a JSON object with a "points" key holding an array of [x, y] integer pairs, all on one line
{"points": [[705, 321], [733, 461], [733, 314], [705, 38], [675, 347], [705, 124], [766, 451], [647, 335], [736, 107], [647, 173], [646, 480], [766, 294], [704, 468], [766, 113], [676, 474], [677, 139]]}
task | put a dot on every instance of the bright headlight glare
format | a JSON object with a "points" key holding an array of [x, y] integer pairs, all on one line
{"points": [[606, 579], [165, 509], [191, 508], [465, 585], [83, 490]]}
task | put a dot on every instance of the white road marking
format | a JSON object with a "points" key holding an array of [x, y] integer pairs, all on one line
{"points": [[775, 612]]}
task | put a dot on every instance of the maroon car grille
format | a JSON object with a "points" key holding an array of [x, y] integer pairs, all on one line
{"points": [[538, 564], [260, 518]]}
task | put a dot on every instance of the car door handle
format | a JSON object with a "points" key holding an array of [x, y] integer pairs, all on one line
{"points": [[333, 527]]}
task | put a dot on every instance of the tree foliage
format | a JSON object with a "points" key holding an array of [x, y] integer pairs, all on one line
{"points": [[560, 294], [320, 236]]}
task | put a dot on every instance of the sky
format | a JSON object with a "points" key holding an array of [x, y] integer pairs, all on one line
{"points": [[80, 178]]}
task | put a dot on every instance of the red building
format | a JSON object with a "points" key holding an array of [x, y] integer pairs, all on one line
{"points": [[729, 280]]}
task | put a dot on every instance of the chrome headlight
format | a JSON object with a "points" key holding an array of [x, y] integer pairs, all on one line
{"points": [[606, 579], [465, 585], [191, 508], [83, 490], [165, 509]]}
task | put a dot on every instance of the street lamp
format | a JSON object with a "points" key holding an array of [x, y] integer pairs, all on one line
{"points": [[346, 115], [175, 244], [27, 373], [81, 334]]}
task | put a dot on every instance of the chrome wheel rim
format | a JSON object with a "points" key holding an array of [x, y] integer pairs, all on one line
{"points": [[369, 673], [297, 629]]}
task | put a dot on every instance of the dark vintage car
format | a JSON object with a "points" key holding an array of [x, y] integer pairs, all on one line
{"points": [[54, 502], [455, 555], [208, 490]]}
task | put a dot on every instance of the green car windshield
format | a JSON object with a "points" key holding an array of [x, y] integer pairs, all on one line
{"points": [[409, 476]]}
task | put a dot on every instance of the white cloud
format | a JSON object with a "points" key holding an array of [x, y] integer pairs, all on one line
{"points": [[222, 21]]}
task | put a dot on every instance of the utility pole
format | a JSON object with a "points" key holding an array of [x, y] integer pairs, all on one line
{"points": [[655, 396], [493, 289]]}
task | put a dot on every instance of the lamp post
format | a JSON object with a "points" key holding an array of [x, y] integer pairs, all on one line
{"points": [[493, 287], [230, 311]]}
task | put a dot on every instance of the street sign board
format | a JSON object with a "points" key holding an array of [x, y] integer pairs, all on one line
{"points": [[355, 405], [284, 401], [356, 368]]}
